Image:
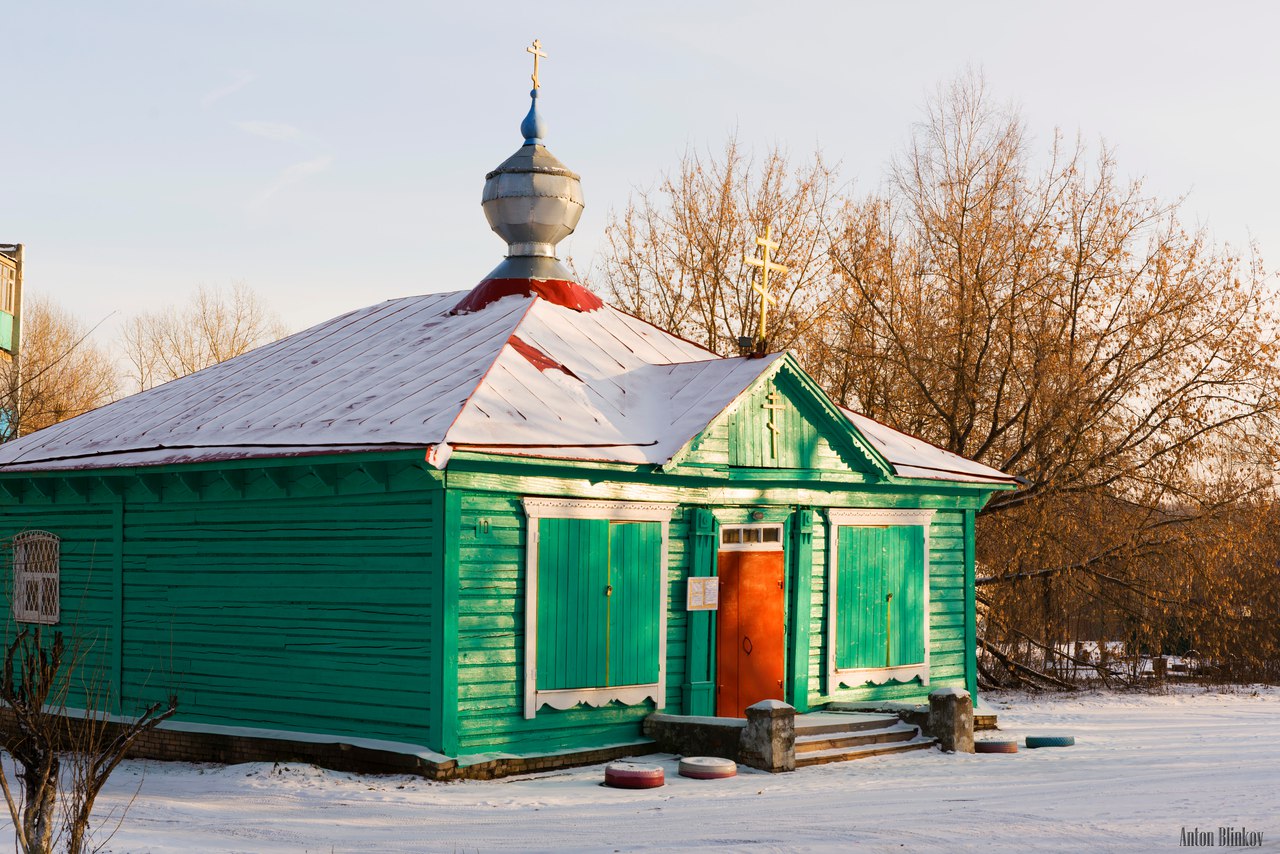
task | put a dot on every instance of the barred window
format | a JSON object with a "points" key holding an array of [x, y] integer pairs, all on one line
{"points": [[35, 577]]}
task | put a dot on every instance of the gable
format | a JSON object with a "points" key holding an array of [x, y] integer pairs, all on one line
{"points": [[783, 421]]}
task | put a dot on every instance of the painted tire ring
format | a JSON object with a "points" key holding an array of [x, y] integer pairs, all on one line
{"points": [[995, 746], [707, 767], [629, 775], [1034, 741]]}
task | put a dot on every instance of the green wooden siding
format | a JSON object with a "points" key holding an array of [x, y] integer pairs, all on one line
{"points": [[879, 608], [791, 443], [86, 582], [741, 438], [782, 423], [285, 614], [800, 595], [294, 601]]}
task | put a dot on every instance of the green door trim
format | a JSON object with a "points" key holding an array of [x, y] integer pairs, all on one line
{"points": [[799, 607], [699, 689], [856, 677]]}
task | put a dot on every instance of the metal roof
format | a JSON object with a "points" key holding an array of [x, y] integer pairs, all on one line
{"points": [[523, 376]]}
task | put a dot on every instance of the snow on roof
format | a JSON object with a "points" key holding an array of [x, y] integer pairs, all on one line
{"points": [[600, 380], [393, 374], [912, 457], [522, 376], [644, 414]]}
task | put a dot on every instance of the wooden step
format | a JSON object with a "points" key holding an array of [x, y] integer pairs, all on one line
{"points": [[806, 760], [819, 742], [816, 723]]}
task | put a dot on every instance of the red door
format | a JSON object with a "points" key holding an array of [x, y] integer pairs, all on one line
{"points": [[749, 631]]}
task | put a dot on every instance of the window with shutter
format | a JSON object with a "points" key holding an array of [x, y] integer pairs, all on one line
{"points": [[596, 603], [878, 597]]}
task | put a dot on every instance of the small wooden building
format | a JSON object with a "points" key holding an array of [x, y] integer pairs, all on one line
{"points": [[506, 520]]}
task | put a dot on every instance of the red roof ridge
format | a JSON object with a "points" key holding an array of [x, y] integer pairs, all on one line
{"points": [[562, 292], [438, 455]]}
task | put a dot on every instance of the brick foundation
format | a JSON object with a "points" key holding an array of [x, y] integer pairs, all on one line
{"points": [[178, 745]]}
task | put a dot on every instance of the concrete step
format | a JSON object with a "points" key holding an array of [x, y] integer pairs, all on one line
{"points": [[816, 723], [805, 760], [819, 742]]}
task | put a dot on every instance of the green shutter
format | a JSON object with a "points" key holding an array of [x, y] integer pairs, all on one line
{"points": [[635, 562], [871, 630], [908, 603], [598, 603], [573, 608]]}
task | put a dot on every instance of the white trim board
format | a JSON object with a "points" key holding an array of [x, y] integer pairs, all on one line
{"points": [[856, 677], [771, 546], [536, 508]]}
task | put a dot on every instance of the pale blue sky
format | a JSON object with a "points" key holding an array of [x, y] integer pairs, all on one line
{"points": [[331, 155]]}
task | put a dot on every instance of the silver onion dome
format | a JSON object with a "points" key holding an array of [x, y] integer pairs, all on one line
{"points": [[532, 201]]}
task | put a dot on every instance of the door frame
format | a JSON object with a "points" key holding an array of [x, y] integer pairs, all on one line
{"points": [[778, 545], [799, 522]]}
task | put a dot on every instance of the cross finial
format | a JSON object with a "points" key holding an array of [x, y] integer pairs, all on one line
{"points": [[766, 266], [536, 50]]}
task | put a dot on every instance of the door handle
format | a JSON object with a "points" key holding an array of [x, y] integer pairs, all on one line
{"points": [[608, 590], [746, 645]]}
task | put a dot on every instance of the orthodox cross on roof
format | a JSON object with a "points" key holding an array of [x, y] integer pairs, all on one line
{"points": [[536, 50], [766, 266], [774, 405]]}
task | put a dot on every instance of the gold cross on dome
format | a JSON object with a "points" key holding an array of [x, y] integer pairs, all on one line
{"points": [[536, 50], [774, 406], [766, 266]]}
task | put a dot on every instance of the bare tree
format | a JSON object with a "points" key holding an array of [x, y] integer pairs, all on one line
{"points": [[677, 253], [59, 761], [213, 326], [1061, 324], [1033, 311], [63, 372]]}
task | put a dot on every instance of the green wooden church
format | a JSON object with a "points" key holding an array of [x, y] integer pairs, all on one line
{"points": [[509, 520]]}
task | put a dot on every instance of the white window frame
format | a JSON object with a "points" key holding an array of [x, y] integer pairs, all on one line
{"points": [[752, 547], [857, 677], [48, 609], [8, 289], [612, 511]]}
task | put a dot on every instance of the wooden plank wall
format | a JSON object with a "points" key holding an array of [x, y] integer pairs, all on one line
{"points": [[713, 447], [86, 585], [295, 602], [740, 436]]}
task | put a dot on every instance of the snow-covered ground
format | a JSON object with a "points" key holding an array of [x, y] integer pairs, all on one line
{"points": [[1144, 768]]}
